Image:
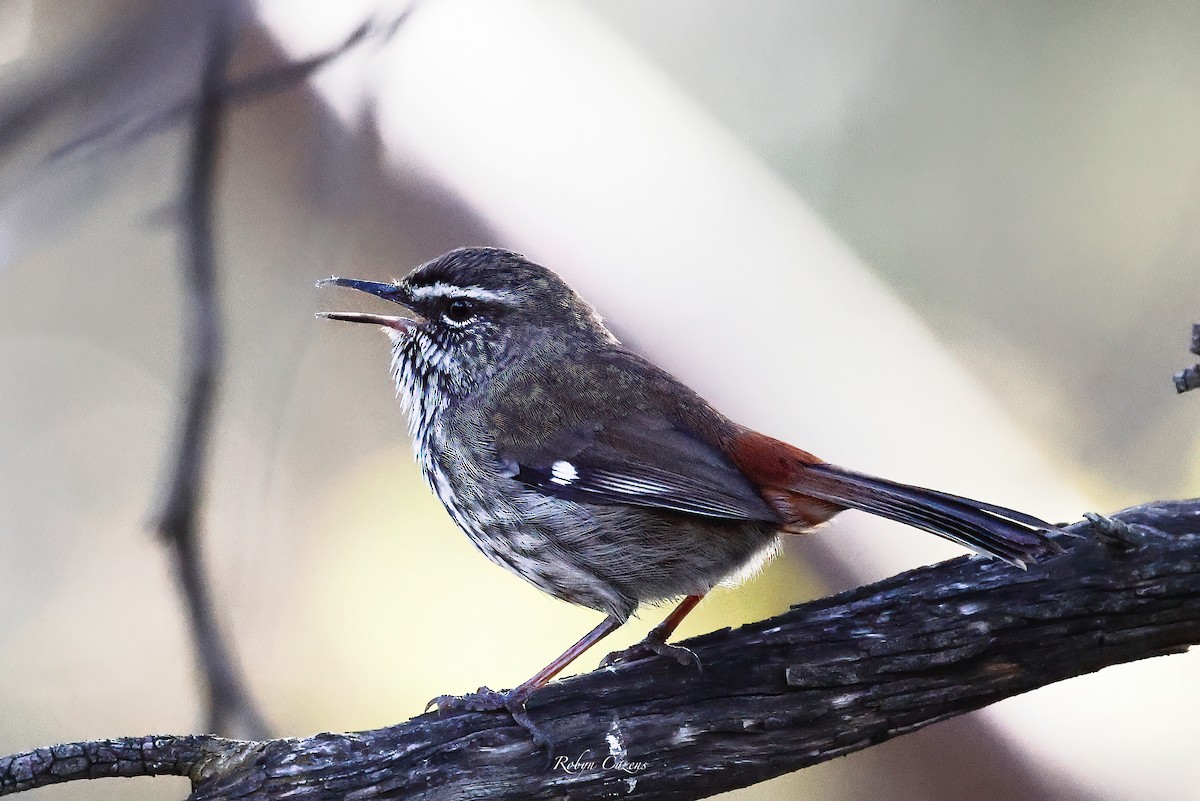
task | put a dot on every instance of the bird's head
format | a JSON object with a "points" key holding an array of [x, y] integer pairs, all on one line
{"points": [[472, 311]]}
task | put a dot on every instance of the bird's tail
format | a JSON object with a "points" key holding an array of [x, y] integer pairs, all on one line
{"points": [[1007, 534], [806, 491]]}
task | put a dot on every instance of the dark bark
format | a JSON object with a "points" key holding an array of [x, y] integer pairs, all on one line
{"points": [[102, 759], [827, 678]]}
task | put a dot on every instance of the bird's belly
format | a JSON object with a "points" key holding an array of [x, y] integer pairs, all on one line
{"points": [[520, 537], [607, 557]]}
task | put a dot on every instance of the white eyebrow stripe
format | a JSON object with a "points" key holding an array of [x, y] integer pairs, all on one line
{"points": [[444, 290]]}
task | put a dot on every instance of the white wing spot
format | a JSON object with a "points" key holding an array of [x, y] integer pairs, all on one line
{"points": [[563, 473]]}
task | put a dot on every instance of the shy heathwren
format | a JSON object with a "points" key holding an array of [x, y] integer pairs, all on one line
{"points": [[597, 476]]}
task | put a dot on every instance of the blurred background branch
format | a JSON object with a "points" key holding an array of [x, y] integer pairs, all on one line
{"points": [[125, 132], [230, 708]]}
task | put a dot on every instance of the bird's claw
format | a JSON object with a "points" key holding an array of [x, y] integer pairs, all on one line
{"points": [[486, 699], [652, 647]]}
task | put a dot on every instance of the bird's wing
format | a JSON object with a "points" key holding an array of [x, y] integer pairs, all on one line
{"points": [[642, 460]]}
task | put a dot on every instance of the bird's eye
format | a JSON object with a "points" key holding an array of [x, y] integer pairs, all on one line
{"points": [[459, 311]]}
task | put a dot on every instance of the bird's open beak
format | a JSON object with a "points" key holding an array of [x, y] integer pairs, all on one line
{"points": [[386, 291]]}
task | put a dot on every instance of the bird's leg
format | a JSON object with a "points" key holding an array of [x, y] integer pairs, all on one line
{"points": [[656, 640], [485, 699]]}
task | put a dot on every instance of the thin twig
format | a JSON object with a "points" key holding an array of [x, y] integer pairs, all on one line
{"points": [[252, 87], [102, 759], [230, 706], [1189, 378]]}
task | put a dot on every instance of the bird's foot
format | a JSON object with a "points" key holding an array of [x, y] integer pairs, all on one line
{"points": [[652, 646], [486, 699]]}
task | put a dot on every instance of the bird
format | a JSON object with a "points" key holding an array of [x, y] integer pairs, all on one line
{"points": [[597, 476]]}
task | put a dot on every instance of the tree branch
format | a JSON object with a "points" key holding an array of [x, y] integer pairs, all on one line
{"points": [[825, 679], [102, 759], [230, 705]]}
